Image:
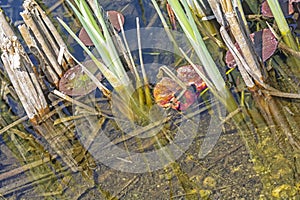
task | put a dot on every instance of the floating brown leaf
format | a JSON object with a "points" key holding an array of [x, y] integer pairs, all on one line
{"points": [[85, 38], [166, 90], [268, 41], [76, 83], [188, 75], [113, 18], [287, 7]]}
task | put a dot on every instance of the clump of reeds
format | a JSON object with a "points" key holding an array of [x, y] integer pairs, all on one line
{"points": [[136, 92]]}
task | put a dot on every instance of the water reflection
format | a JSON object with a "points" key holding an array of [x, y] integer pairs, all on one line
{"points": [[12, 9]]}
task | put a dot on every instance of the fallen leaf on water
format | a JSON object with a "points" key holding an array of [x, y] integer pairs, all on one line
{"points": [[75, 82], [188, 75], [85, 38], [166, 90], [265, 45], [113, 18], [286, 7]]}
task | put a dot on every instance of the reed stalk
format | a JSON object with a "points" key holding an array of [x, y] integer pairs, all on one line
{"points": [[282, 24], [197, 9], [286, 33], [241, 37], [133, 97], [113, 69]]}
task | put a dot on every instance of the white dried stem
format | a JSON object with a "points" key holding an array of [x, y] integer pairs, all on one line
{"points": [[4, 25], [19, 69], [215, 7], [40, 37], [241, 63], [44, 65], [50, 30], [240, 38]]}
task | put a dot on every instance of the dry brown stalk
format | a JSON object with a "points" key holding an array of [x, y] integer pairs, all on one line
{"points": [[237, 57], [24, 168], [47, 36]]}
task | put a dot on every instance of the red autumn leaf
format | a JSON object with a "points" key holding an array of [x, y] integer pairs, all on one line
{"points": [[166, 89], [287, 7], [265, 45], [188, 75], [164, 92]]}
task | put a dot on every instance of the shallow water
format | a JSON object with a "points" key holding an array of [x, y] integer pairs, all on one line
{"points": [[227, 168]]}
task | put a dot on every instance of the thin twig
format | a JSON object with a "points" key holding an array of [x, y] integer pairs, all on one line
{"points": [[26, 167], [288, 50], [67, 98], [278, 93], [15, 123]]}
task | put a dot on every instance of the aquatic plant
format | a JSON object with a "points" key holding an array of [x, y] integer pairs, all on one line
{"points": [[212, 78], [282, 24], [113, 69], [269, 110]]}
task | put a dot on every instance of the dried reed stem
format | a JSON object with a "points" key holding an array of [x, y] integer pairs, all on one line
{"points": [[241, 38], [19, 69], [53, 36], [33, 46]]}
